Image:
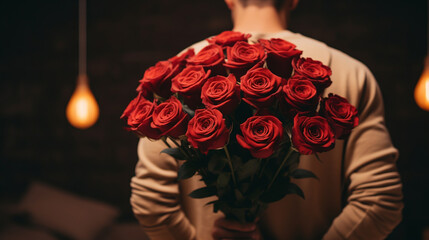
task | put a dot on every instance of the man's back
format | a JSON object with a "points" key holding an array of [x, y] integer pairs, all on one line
{"points": [[358, 194]]}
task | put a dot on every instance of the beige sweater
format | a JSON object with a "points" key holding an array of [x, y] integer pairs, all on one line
{"points": [[358, 194]]}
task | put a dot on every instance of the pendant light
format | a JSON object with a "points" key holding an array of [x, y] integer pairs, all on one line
{"points": [[82, 110], [421, 92]]}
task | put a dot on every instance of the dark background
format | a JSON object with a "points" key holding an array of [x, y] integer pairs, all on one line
{"points": [[38, 70]]}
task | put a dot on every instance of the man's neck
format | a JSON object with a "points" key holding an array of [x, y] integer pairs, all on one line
{"points": [[258, 19]]}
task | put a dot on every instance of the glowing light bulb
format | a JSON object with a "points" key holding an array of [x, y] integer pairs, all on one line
{"points": [[82, 110], [421, 92]]}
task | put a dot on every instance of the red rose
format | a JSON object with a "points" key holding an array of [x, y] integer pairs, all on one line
{"points": [[260, 87], [243, 56], [158, 78], [340, 113], [279, 56], [261, 135], [210, 57], [181, 59], [145, 91], [228, 38], [189, 83], [170, 119], [207, 130], [317, 73], [300, 95], [312, 134], [138, 115], [221, 93]]}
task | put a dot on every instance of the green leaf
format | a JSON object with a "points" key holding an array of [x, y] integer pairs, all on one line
{"points": [[217, 163], [223, 179], [174, 152], [216, 207], [237, 162], [203, 192], [282, 150], [238, 195], [277, 191], [293, 160], [212, 202], [302, 173], [239, 214], [255, 190], [187, 169], [222, 206], [250, 168], [317, 157], [295, 189], [222, 184], [245, 186]]}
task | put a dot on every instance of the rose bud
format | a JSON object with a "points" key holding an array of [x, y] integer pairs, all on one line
{"points": [[261, 135], [188, 83], [158, 78], [260, 87], [145, 91], [243, 56], [207, 130], [228, 38], [312, 134], [300, 95], [170, 119], [210, 57], [221, 93], [279, 56], [342, 116], [315, 71], [138, 115], [181, 59]]}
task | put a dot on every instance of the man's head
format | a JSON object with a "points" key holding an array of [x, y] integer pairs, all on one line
{"points": [[280, 5], [260, 15]]}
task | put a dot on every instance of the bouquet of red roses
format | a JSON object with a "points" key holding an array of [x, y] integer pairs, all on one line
{"points": [[240, 114]]}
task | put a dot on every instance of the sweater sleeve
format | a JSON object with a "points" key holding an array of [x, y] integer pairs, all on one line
{"points": [[373, 189], [155, 194]]}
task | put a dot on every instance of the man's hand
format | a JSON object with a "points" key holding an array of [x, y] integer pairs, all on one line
{"points": [[226, 229]]}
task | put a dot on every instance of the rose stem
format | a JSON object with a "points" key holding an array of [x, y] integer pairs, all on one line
{"points": [[230, 165], [165, 141], [180, 148], [281, 166], [263, 167], [203, 170]]}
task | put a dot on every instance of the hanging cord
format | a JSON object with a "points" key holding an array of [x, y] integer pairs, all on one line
{"points": [[82, 37]]}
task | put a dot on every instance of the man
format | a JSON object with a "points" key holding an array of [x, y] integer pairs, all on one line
{"points": [[358, 194]]}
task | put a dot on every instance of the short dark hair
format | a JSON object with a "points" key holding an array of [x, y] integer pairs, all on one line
{"points": [[278, 4]]}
